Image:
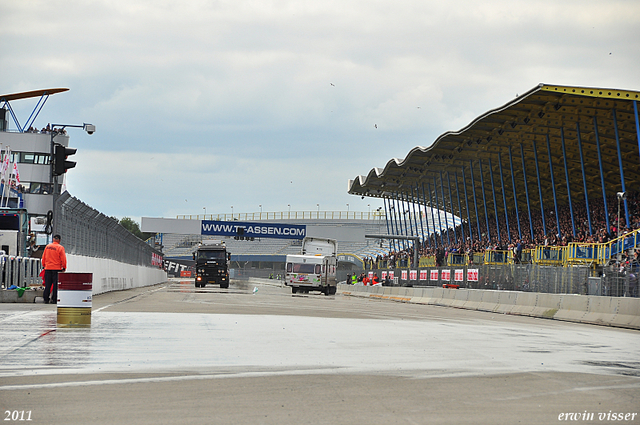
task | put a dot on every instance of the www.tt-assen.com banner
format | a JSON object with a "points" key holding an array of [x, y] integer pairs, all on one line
{"points": [[253, 230]]}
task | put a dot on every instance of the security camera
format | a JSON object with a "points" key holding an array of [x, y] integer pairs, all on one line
{"points": [[622, 195], [89, 128]]}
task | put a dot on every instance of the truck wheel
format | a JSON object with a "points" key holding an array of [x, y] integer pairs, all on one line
{"points": [[294, 289], [224, 285]]}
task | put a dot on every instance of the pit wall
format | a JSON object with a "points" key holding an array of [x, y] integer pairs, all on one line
{"points": [[111, 275], [609, 311]]}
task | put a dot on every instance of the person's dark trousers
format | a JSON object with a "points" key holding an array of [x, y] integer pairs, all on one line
{"points": [[51, 286]]}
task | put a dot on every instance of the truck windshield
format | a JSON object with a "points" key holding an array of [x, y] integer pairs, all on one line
{"points": [[303, 268], [210, 255]]}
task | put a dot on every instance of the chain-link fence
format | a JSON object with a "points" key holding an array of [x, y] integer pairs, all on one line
{"points": [[90, 233]]}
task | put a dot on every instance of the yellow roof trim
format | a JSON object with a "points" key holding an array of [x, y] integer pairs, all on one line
{"points": [[594, 92]]}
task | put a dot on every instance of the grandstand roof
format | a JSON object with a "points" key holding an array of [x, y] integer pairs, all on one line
{"points": [[29, 94], [524, 124]]}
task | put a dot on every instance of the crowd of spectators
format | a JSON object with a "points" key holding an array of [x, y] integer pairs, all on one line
{"points": [[459, 240], [47, 130]]}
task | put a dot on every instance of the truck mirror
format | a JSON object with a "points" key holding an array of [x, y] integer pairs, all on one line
{"points": [[194, 255]]}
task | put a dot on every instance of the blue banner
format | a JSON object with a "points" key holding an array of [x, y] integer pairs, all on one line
{"points": [[253, 230]]}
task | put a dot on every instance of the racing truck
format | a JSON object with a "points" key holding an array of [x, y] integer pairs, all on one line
{"points": [[314, 269], [212, 264]]}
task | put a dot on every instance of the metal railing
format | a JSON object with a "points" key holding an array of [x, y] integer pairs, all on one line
{"points": [[288, 215], [20, 271]]}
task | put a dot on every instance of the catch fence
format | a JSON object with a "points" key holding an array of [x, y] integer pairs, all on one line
{"points": [[87, 232]]}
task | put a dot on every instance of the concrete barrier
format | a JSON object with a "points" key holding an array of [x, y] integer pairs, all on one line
{"points": [[601, 310], [547, 305], [13, 296], [620, 312], [460, 297], [525, 304], [628, 313], [448, 297], [572, 307], [506, 301], [436, 296], [111, 275], [423, 296], [489, 302], [474, 299]]}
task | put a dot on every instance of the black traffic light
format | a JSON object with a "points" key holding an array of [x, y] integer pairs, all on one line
{"points": [[60, 163]]}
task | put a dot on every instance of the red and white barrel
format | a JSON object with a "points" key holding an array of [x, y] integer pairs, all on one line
{"points": [[74, 299]]}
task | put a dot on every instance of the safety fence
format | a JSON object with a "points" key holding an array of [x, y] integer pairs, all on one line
{"points": [[20, 271], [87, 232], [519, 277]]}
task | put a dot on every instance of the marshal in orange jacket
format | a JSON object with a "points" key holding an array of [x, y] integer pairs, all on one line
{"points": [[54, 257]]}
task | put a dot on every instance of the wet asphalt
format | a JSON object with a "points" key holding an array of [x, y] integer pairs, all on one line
{"points": [[208, 351]]}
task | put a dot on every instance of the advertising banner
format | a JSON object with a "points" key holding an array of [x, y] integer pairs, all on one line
{"points": [[423, 274], [434, 275], [253, 230], [472, 275], [446, 274], [458, 275], [404, 275], [413, 274]]}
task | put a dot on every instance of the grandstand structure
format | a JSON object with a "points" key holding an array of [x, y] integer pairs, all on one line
{"points": [[557, 160]]}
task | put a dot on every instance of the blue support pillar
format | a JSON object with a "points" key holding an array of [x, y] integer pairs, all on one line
{"points": [[433, 218], [424, 236], [466, 200], [387, 217], [553, 186], [396, 217], [626, 208], [566, 175], [504, 198], [635, 112], [515, 198], [426, 216], [453, 220], [444, 209], [435, 190], [484, 200], [495, 202], [584, 180], [475, 199], [535, 158], [604, 192], [459, 206], [526, 192], [401, 224], [407, 210]]}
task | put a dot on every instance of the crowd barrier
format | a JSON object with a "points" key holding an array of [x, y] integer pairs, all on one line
{"points": [[591, 309], [20, 271]]}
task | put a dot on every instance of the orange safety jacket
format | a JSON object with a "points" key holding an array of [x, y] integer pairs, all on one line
{"points": [[54, 257]]}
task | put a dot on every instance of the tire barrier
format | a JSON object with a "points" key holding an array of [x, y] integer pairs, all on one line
{"points": [[590, 309]]}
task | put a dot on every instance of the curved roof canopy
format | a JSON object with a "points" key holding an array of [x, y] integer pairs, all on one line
{"points": [[525, 135]]}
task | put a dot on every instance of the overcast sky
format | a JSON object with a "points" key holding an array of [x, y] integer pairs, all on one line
{"points": [[213, 104]]}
